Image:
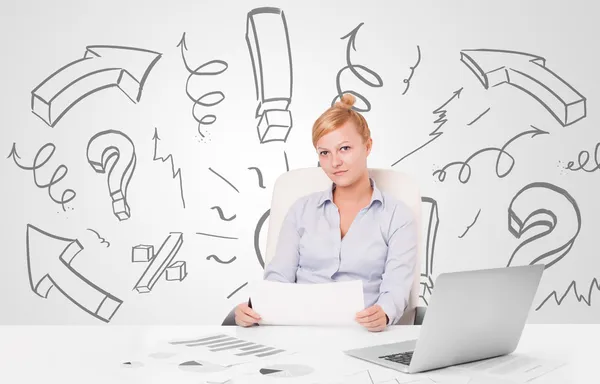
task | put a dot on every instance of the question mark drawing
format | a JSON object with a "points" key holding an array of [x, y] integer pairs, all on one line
{"points": [[113, 152], [553, 209]]}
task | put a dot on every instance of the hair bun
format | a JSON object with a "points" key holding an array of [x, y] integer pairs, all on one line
{"points": [[347, 101]]}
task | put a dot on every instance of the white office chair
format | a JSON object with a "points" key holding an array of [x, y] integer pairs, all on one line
{"points": [[294, 184]]}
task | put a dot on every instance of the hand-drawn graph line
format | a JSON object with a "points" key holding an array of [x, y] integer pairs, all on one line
{"points": [[159, 263], [218, 260], [268, 42], [354, 68], [68, 194], [433, 222], [102, 240], [113, 152], [528, 73], [465, 169], [203, 70], [175, 174], [542, 204], [49, 259], [582, 159], [469, 226], [412, 70], [224, 179], [219, 236], [260, 177], [237, 290], [221, 215], [573, 286], [479, 117], [441, 120], [102, 66]]}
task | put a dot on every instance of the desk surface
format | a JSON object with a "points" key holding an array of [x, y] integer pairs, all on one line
{"points": [[93, 354]]}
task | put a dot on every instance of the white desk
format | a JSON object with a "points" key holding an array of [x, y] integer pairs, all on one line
{"points": [[93, 354]]}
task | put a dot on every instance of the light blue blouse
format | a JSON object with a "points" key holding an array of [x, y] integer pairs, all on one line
{"points": [[380, 248]]}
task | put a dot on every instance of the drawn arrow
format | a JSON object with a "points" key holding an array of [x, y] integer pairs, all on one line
{"points": [[47, 271], [102, 66], [528, 73]]}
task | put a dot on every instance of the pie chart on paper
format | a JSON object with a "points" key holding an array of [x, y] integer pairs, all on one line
{"points": [[286, 370], [199, 366]]}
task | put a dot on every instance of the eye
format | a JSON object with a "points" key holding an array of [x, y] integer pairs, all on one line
{"points": [[323, 153], [345, 146]]}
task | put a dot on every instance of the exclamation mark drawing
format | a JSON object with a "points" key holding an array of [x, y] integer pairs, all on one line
{"points": [[269, 45]]}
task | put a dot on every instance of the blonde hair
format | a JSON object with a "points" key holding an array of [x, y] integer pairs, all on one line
{"points": [[336, 116]]}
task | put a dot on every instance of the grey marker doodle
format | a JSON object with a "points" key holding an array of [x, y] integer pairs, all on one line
{"points": [[224, 179], [175, 174], [465, 169], [237, 290], [573, 286], [68, 194], [479, 117], [142, 253], [528, 73], [163, 258], [102, 66], [220, 66], [582, 160], [469, 226], [220, 211], [216, 258], [49, 259], [102, 240], [260, 177], [176, 271], [113, 152], [432, 222], [412, 70], [257, 230], [440, 121], [219, 236], [356, 69], [542, 204], [269, 45], [287, 166]]}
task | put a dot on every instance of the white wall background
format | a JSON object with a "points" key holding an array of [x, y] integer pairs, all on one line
{"points": [[549, 111]]}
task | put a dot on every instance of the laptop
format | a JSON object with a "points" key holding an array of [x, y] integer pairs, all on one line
{"points": [[472, 315]]}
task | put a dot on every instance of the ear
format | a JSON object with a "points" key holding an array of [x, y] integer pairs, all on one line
{"points": [[369, 145]]}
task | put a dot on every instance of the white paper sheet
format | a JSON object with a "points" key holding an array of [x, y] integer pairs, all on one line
{"points": [[307, 304]]}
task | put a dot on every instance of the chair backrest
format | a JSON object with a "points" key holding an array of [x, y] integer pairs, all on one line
{"points": [[296, 183]]}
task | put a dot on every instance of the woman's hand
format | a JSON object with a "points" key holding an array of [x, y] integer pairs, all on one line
{"points": [[372, 318], [245, 316]]}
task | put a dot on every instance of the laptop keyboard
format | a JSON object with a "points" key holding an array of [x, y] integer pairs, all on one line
{"points": [[402, 358]]}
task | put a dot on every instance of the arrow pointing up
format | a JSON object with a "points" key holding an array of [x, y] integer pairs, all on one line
{"points": [[102, 66], [529, 74], [49, 260]]}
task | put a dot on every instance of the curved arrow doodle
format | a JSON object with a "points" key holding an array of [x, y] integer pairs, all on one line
{"points": [[464, 165], [101, 67], [220, 211], [220, 67], [440, 121], [216, 258], [165, 159], [543, 205], [102, 148], [260, 178], [102, 239], [266, 28], [529, 74], [59, 174], [412, 70], [49, 259], [354, 68], [573, 286]]}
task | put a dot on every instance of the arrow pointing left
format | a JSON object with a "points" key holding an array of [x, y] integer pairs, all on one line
{"points": [[49, 259]]}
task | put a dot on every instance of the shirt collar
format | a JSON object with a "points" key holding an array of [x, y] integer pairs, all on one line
{"points": [[327, 195]]}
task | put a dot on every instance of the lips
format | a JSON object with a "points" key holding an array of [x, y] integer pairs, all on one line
{"points": [[339, 173]]}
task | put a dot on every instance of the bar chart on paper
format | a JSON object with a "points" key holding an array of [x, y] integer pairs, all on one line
{"points": [[227, 350]]}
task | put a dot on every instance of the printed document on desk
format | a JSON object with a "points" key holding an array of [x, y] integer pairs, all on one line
{"points": [[307, 304]]}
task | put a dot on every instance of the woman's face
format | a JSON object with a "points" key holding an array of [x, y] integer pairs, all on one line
{"points": [[343, 155]]}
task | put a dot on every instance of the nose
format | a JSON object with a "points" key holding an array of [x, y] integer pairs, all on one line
{"points": [[336, 160]]}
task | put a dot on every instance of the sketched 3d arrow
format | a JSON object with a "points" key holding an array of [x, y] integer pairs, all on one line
{"points": [[47, 271], [102, 66], [529, 74]]}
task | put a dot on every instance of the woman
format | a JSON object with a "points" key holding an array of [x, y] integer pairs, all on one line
{"points": [[349, 231]]}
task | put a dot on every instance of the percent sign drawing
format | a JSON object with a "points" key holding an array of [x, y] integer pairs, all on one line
{"points": [[103, 66], [113, 152]]}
